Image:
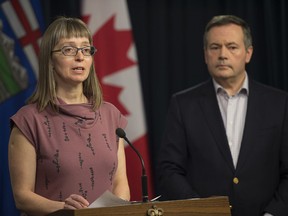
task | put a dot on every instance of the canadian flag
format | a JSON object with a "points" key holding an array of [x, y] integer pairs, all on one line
{"points": [[117, 68]]}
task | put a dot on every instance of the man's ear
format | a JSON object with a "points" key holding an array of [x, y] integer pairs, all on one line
{"points": [[249, 53]]}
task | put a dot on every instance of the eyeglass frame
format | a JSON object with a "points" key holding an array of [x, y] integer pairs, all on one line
{"points": [[81, 48]]}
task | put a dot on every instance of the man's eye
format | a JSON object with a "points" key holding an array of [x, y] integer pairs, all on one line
{"points": [[214, 47]]}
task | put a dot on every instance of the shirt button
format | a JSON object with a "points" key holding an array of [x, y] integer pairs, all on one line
{"points": [[235, 180]]}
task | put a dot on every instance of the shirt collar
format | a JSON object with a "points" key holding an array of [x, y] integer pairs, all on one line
{"points": [[244, 89]]}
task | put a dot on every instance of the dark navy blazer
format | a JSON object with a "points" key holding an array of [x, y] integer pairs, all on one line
{"points": [[195, 159]]}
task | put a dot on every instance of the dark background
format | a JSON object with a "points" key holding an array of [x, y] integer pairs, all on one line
{"points": [[168, 37]]}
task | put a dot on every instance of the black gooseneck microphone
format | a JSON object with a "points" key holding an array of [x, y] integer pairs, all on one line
{"points": [[121, 133]]}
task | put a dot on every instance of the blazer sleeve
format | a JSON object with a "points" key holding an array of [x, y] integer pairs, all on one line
{"points": [[279, 203], [172, 167]]}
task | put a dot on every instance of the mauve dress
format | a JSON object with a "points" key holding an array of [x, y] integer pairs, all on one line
{"points": [[76, 148]]}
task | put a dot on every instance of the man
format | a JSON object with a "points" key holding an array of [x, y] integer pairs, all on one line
{"points": [[229, 135]]}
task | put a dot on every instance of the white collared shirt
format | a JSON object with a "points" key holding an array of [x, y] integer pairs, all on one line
{"points": [[233, 110]]}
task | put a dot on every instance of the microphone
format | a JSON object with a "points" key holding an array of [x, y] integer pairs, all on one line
{"points": [[121, 133]]}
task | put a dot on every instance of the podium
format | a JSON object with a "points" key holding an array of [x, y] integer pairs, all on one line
{"points": [[213, 206]]}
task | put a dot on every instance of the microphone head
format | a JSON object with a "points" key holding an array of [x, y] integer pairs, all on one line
{"points": [[120, 132]]}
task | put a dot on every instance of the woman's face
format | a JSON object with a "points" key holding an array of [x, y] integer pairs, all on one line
{"points": [[71, 70]]}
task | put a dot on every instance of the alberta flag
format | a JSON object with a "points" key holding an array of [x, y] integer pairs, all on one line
{"points": [[21, 27], [117, 68]]}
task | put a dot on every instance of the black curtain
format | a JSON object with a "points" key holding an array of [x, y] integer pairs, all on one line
{"points": [[168, 36]]}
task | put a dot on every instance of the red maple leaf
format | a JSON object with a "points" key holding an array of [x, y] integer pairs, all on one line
{"points": [[112, 48]]}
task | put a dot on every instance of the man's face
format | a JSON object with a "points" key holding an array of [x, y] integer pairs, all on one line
{"points": [[225, 54]]}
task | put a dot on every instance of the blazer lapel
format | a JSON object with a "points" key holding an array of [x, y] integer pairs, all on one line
{"points": [[253, 119], [214, 120]]}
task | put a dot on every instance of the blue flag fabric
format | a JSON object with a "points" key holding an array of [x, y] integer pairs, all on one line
{"points": [[21, 28]]}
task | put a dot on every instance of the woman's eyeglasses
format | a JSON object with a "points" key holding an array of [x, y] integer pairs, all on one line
{"points": [[72, 51]]}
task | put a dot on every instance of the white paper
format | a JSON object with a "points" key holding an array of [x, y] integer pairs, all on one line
{"points": [[107, 199]]}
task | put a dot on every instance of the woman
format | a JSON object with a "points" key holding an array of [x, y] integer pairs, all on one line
{"points": [[63, 151]]}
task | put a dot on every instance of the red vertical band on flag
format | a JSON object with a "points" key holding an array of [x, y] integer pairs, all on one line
{"points": [[134, 168]]}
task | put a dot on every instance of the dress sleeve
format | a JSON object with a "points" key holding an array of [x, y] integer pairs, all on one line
{"points": [[24, 120]]}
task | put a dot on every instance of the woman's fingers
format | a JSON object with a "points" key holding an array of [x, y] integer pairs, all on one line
{"points": [[75, 201]]}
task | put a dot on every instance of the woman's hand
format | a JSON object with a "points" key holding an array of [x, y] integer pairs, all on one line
{"points": [[75, 201]]}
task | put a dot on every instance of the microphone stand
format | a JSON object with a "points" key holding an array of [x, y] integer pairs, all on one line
{"points": [[121, 133]]}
